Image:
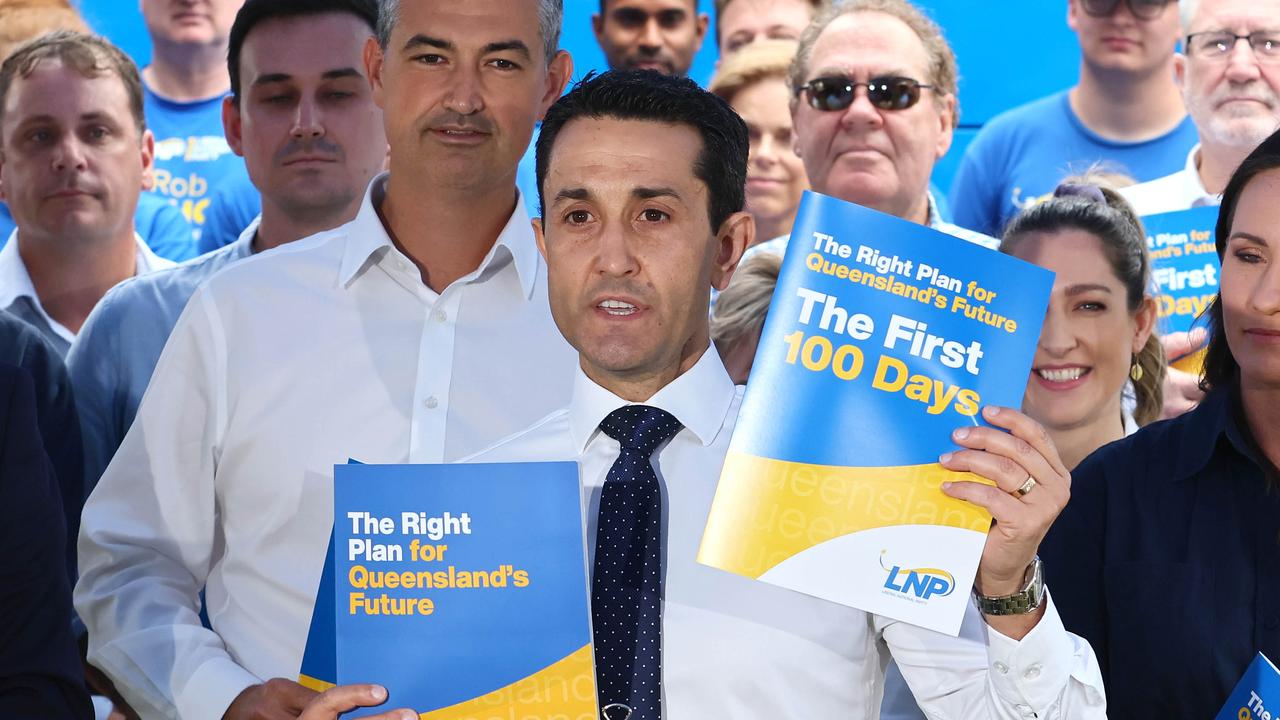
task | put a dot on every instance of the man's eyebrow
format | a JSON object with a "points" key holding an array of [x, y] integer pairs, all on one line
{"points": [[648, 193], [428, 41], [511, 45], [340, 73], [271, 78], [571, 194]]}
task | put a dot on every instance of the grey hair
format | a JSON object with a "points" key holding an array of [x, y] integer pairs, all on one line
{"points": [[1187, 12], [550, 18]]}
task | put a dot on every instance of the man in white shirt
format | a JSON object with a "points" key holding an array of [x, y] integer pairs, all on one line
{"points": [[74, 156], [633, 243], [1229, 74], [418, 332]]}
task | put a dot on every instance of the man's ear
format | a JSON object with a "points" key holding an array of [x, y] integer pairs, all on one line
{"points": [[231, 124], [703, 22], [373, 64], [148, 159], [597, 27], [1180, 73], [947, 117], [559, 70], [736, 234], [539, 236]]}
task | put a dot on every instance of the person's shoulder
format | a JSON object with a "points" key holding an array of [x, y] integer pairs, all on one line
{"points": [[22, 344], [1025, 118], [323, 251], [548, 439], [1161, 195], [1155, 454]]}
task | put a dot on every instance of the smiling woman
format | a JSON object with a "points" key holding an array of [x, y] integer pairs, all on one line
{"points": [[1167, 558]]}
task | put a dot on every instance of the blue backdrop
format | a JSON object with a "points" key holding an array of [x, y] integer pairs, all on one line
{"points": [[1028, 53]]}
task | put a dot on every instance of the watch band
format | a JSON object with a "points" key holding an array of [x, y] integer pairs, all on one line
{"points": [[1028, 600]]}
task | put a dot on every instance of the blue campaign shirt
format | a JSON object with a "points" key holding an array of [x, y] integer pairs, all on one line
{"points": [[233, 208], [1167, 560], [117, 349], [160, 225], [1020, 156], [193, 160]]}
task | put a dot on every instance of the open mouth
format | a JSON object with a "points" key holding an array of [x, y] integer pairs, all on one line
{"points": [[1062, 375], [617, 308]]}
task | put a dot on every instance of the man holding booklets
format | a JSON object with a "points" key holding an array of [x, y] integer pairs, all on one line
{"points": [[418, 332], [634, 242]]}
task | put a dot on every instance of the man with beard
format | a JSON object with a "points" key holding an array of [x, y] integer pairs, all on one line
{"points": [[661, 35]]}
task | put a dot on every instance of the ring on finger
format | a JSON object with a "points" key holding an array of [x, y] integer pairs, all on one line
{"points": [[1026, 487]]}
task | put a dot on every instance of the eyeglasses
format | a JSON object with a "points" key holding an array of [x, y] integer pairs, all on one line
{"points": [[832, 94], [1141, 9], [1218, 44]]}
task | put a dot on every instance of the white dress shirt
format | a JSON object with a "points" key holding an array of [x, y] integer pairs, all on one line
{"points": [[1182, 190], [281, 366], [15, 284], [738, 648]]}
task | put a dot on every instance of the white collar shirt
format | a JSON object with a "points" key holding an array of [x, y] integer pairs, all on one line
{"points": [[281, 366], [15, 281], [738, 648], [1181, 190]]}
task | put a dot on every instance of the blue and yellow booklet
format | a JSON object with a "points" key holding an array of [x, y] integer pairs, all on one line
{"points": [[1257, 696], [1184, 265], [883, 337], [461, 588]]}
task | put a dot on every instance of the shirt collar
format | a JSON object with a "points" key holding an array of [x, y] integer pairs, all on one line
{"points": [[1193, 185], [367, 237], [700, 399], [243, 246]]}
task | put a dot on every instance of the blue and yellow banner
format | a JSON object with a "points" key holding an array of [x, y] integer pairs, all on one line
{"points": [[883, 337], [1257, 695], [461, 588], [1184, 266]]}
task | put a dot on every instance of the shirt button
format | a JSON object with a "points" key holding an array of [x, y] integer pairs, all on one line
{"points": [[1002, 668], [431, 402], [1026, 711], [441, 316], [402, 265], [1032, 672]]}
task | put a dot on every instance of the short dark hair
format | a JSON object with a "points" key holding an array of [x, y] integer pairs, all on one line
{"points": [[648, 95], [256, 11], [90, 55], [1220, 366]]}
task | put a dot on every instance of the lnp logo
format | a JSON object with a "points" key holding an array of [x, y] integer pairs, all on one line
{"points": [[922, 583]]}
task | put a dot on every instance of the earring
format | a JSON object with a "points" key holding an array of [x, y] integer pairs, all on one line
{"points": [[1135, 371]]}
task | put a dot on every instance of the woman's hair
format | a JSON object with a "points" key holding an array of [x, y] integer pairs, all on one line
{"points": [[23, 20], [1220, 366], [761, 60], [1083, 204], [741, 308]]}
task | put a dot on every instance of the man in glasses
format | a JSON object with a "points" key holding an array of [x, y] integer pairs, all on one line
{"points": [[1229, 73], [1125, 111], [875, 108]]}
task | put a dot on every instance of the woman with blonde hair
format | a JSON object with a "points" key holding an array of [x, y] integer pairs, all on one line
{"points": [[753, 80]]}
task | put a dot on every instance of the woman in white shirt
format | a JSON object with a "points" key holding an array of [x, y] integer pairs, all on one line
{"points": [[1098, 338]]}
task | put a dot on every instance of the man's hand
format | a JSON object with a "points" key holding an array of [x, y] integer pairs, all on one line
{"points": [[343, 698], [1008, 460], [1181, 389], [275, 699]]}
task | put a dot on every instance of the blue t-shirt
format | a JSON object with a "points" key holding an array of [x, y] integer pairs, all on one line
{"points": [[234, 206], [1020, 156], [193, 160], [161, 226]]}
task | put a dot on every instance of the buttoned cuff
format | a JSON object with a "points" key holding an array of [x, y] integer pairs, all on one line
{"points": [[1033, 674], [212, 689]]}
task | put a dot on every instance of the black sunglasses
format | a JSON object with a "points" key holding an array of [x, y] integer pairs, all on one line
{"points": [[831, 94], [1141, 9]]}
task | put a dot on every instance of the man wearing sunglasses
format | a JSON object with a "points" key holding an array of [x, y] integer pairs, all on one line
{"points": [[1125, 111], [1229, 73], [875, 108]]}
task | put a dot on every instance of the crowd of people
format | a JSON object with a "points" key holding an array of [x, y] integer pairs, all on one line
{"points": [[397, 231]]}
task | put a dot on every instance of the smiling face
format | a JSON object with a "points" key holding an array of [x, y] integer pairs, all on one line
{"points": [[743, 22], [1123, 43], [196, 22], [306, 123], [1089, 335], [878, 158], [1250, 284], [661, 35], [461, 86], [73, 160], [775, 174], [631, 256], [1234, 100]]}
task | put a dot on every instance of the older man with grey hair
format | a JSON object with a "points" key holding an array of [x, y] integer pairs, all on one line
{"points": [[1229, 75], [417, 333]]}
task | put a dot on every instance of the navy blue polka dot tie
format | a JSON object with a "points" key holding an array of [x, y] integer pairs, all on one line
{"points": [[626, 584]]}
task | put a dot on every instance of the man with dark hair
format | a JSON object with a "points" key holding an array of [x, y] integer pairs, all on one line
{"points": [[742, 22], [418, 332], [661, 35], [74, 156], [312, 138], [644, 179]]}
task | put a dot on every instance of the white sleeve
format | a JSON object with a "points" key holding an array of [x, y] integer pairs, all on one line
{"points": [[149, 537], [1048, 674]]}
